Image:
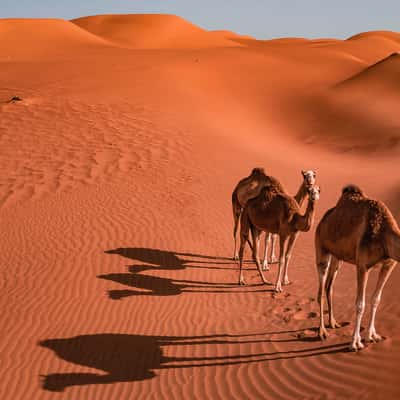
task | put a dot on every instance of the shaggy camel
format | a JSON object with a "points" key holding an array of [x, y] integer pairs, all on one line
{"points": [[363, 232], [250, 187], [276, 212]]}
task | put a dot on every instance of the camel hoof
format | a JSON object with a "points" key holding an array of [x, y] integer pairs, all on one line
{"points": [[266, 267], [334, 324], [287, 282], [242, 282], [273, 260], [356, 347], [374, 338], [323, 333], [278, 289], [235, 258]]}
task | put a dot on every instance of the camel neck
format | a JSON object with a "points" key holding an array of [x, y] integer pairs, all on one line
{"points": [[304, 222], [301, 194]]}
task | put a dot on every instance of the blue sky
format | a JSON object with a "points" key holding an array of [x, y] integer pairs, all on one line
{"points": [[261, 18]]}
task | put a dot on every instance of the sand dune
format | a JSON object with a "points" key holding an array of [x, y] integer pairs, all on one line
{"points": [[156, 31], [360, 111], [380, 76], [232, 35], [38, 38], [118, 165], [387, 34]]}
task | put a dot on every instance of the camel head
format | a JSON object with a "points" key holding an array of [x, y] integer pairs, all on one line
{"points": [[309, 177], [313, 193]]}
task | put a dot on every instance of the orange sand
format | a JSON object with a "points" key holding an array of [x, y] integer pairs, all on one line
{"points": [[117, 170]]}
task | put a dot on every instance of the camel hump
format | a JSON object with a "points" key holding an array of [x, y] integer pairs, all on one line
{"points": [[268, 191], [276, 185], [272, 185], [258, 171], [352, 190]]}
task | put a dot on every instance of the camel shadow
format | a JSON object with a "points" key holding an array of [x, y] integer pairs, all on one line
{"points": [[146, 285], [163, 259], [156, 286], [130, 358]]}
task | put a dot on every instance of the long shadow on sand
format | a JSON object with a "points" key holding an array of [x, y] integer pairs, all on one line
{"points": [[129, 358], [150, 285], [162, 259]]}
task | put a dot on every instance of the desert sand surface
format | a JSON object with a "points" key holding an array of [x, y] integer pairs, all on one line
{"points": [[117, 168]]}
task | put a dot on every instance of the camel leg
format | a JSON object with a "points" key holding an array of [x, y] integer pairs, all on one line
{"points": [[282, 248], [241, 253], [250, 245], [256, 250], [236, 217], [290, 245], [362, 279], [267, 243], [323, 260], [244, 237], [332, 273], [273, 258], [384, 274]]}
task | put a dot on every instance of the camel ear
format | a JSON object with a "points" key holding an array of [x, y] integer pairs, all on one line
{"points": [[303, 172], [315, 173]]}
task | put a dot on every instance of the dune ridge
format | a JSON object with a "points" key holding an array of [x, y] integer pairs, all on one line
{"points": [[151, 31], [380, 75]]}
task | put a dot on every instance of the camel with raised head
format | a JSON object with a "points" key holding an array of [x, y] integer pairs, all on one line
{"points": [[363, 232], [276, 212], [307, 182], [250, 187]]}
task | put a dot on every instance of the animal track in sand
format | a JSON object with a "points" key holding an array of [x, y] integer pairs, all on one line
{"points": [[297, 310]]}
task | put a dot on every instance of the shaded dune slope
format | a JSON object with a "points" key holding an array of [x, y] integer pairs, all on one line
{"points": [[359, 112], [384, 74]]}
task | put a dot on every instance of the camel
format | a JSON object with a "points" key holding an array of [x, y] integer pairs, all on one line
{"points": [[250, 187], [307, 182], [363, 232], [276, 212]]}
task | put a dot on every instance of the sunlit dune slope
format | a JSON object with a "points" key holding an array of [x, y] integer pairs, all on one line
{"points": [[151, 31], [386, 34], [35, 38], [232, 35]]}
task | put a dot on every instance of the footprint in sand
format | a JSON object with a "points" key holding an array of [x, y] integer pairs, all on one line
{"points": [[302, 315]]}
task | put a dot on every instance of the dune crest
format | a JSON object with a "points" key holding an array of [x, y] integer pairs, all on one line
{"points": [[383, 74], [151, 31], [386, 34]]}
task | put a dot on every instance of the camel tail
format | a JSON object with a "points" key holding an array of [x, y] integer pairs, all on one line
{"points": [[393, 244], [236, 207], [237, 210], [245, 224], [245, 228]]}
